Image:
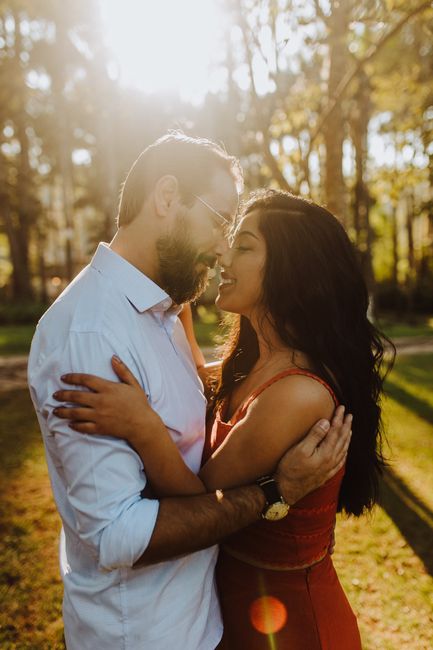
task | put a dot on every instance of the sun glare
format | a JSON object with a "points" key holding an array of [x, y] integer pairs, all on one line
{"points": [[165, 45]]}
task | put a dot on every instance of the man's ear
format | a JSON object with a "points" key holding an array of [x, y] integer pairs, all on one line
{"points": [[166, 193]]}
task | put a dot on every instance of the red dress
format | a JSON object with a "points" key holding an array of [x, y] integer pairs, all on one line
{"points": [[277, 585]]}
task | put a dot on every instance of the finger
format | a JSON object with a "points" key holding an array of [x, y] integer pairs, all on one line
{"points": [[84, 427], [72, 413], [347, 442], [123, 372], [337, 420], [336, 468], [341, 453], [335, 429], [314, 437], [89, 381], [345, 433], [76, 397]]}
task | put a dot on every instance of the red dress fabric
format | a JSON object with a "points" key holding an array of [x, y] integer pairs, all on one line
{"points": [[277, 584]]}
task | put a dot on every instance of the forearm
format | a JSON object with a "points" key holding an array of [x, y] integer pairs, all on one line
{"points": [[209, 374], [188, 524], [188, 325], [165, 468]]}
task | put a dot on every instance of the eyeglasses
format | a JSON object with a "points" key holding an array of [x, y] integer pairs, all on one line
{"points": [[223, 221]]}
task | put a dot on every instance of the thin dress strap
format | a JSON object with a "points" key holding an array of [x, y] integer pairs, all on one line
{"points": [[241, 410]]}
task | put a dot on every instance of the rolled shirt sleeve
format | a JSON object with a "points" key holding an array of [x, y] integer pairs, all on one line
{"points": [[103, 476]]}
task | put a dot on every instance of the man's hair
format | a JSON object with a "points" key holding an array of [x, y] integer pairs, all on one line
{"points": [[193, 161]]}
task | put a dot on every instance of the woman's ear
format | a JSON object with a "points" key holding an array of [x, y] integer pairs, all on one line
{"points": [[166, 194]]}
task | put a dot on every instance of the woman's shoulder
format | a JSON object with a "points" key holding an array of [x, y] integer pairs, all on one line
{"points": [[300, 390], [285, 410]]}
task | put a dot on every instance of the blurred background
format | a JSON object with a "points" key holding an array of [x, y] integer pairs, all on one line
{"points": [[331, 99]]}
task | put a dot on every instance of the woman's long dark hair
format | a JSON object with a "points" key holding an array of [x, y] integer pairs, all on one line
{"points": [[317, 300]]}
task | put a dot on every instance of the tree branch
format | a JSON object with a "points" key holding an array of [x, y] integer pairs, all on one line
{"points": [[372, 52], [319, 11], [270, 159]]}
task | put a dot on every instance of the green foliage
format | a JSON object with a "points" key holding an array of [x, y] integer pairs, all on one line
{"points": [[15, 339], [59, 97], [417, 328], [21, 313]]}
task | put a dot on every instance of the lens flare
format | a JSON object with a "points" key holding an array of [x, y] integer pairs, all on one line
{"points": [[268, 614]]}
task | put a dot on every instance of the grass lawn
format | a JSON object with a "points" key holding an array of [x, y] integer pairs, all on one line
{"points": [[386, 582], [208, 330], [15, 339], [409, 420], [394, 330], [30, 588]]}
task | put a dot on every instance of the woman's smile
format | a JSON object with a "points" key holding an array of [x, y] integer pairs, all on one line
{"points": [[226, 282], [241, 278]]}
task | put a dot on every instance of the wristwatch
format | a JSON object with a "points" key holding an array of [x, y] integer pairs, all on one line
{"points": [[276, 507]]}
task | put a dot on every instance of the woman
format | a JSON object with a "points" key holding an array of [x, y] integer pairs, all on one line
{"points": [[301, 344]]}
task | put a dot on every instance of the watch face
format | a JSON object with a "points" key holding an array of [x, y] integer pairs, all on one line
{"points": [[276, 511]]}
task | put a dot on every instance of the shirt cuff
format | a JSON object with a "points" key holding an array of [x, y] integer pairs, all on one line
{"points": [[124, 541]]}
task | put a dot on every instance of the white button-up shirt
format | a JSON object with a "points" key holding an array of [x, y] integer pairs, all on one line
{"points": [[112, 308]]}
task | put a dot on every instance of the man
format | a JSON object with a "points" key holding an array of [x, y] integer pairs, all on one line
{"points": [[122, 587]]}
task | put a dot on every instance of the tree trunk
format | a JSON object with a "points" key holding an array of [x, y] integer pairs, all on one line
{"points": [[42, 269], [334, 128], [19, 208], [64, 151], [394, 236], [362, 201], [21, 286], [258, 106], [26, 202], [411, 273], [107, 160]]}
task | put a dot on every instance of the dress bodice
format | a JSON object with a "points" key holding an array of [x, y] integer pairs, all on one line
{"points": [[302, 538]]}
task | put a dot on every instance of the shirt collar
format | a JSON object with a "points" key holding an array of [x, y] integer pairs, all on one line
{"points": [[140, 290]]}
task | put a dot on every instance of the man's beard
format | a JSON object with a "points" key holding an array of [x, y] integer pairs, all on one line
{"points": [[178, 261]]}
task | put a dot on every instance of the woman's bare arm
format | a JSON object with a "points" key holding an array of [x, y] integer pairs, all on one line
{"points": [[188, 325], [253, 447], [275, 421]]}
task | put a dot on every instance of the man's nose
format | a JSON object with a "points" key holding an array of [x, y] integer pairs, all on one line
{"points": [[225, 257], [221, 246]]}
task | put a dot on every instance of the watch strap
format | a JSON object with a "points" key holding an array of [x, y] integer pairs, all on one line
{"points": [[270, 489]]}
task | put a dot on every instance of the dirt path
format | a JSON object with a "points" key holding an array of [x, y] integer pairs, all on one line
{"points": [[13, 370]]}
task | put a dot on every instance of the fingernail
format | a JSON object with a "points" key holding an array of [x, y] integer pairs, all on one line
{"points": [[55, 411], [55, 395], [64, 377], [324, 424], [116, 358]]}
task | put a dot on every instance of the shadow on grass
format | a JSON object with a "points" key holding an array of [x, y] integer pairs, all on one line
{"points": [[411, 402], [19, 430], [411, 516]]}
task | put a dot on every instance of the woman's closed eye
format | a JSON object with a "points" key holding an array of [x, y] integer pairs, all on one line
{"points": [[239, 247]]}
